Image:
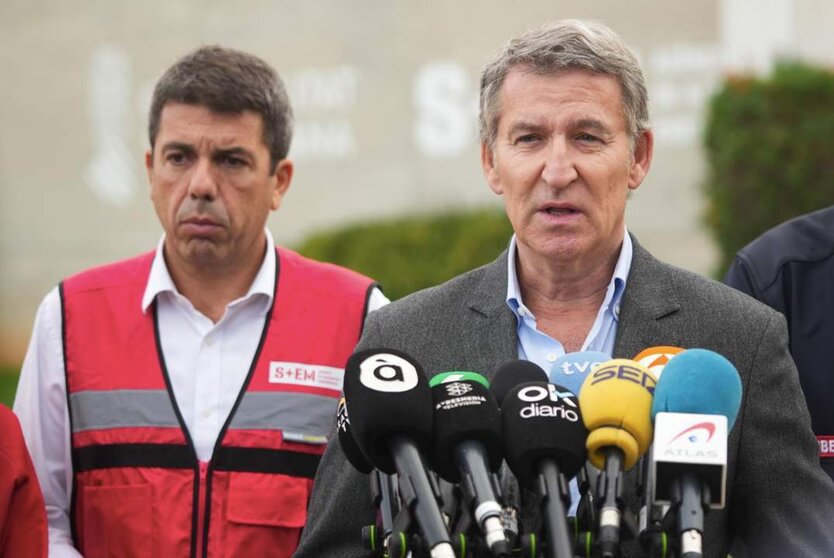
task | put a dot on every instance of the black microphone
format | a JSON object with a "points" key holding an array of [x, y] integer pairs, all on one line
{"points": [[507, 377], [383, 487], [348, 443], [544, 442], [512, 374], [389, 403], [466, 448]]}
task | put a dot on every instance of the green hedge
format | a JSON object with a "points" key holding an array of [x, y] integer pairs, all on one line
{"points": [[8, 384], [770, 151], [413, 253]]}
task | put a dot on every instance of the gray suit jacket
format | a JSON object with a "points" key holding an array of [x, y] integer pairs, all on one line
{"points": [[780, 503]]}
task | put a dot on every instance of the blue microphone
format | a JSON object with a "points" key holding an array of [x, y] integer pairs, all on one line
{"points": [[571, 369], [699, 381], [696, 402]]}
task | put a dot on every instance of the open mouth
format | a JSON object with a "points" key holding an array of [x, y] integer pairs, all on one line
{"points": [[560, 211]]}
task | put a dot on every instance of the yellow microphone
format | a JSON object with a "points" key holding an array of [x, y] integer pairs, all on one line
{"points": [[616, 404]]}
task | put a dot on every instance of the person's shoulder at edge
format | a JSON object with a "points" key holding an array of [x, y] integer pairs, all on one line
{"points": [[805, 239]]}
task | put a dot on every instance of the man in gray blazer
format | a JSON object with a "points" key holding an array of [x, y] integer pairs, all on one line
{"points": [[565, 138]]}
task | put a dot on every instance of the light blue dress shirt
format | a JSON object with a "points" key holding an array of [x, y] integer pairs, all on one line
{"points": [[537, 346]]}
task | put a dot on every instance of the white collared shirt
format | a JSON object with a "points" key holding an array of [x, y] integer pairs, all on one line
{"points": [[207, 364]]}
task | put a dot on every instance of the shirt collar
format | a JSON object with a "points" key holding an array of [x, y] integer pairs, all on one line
{"points": [[615, 287], [160, 281]]}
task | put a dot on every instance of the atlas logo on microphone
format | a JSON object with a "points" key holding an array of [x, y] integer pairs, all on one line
{"points": [[548, 402], [388, 373]]}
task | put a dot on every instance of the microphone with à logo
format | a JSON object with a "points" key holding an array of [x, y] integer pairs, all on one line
{"points": [[389, 403]]}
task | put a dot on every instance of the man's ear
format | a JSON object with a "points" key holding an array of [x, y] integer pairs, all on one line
{"points": [[149, 163], [281, 182], [642, 159], [490, 172]]}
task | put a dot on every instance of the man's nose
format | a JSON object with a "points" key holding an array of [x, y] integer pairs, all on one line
{"points": [[203, 182], [559, 169]]}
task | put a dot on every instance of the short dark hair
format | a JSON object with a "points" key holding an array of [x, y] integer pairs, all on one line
{"points": [[228, 81]]}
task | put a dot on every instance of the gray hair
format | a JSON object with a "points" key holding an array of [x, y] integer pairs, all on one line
{"points": [[558, 47], [228, 81]]}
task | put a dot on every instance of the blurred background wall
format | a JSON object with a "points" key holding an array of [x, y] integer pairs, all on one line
{"points": [[385, 97]]}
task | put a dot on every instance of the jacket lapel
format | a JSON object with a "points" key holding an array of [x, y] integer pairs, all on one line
{"points": [[648, 298], [493, 323]]}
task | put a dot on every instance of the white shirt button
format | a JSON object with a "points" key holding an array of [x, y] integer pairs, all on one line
{"points": [[551, 357], [617, 310], [522, 311], [209, 340]]}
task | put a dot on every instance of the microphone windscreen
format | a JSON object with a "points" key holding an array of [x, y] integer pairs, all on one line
{"points": [[699, 381], [464, 410], [542, 420], [514, 373], [616, 401], [348, 443], [386, 394], [571, 369], [655, 358]]}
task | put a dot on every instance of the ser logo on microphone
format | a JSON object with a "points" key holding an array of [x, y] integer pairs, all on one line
{"points": [[624, 372], [548, 402], [388, 373]]}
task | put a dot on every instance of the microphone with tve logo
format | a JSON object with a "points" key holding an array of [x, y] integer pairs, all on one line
{"points": [[466, 448], [390, 407], [695, 405], [544, 442], [616, 402], [571, 369]]}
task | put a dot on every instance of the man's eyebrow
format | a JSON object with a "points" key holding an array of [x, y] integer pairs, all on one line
{"points": [[523, 125], [592, 124], [177, 146], [236, 150]]}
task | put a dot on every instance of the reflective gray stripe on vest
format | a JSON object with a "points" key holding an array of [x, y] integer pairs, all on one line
{"points": [[293, 412], [93, 410]]}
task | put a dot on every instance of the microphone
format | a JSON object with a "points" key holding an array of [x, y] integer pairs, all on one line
{"points": [[505, 378], [466, 448], [347, 442], [512, 374], [616, 402], [544, 442], [571, 369], [383, 494], [656, 358], [651, 516], [389, 403], [696, 403]]}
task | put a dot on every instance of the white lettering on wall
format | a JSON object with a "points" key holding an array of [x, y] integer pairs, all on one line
{"points": [[322, 99], [446, 110], [111, 171]]}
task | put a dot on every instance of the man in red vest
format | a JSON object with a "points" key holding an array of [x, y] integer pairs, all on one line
{"points": [[22, 520], [177, 403]]}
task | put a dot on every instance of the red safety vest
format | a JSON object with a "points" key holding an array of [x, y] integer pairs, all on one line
{"points": [[139, 490]]}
